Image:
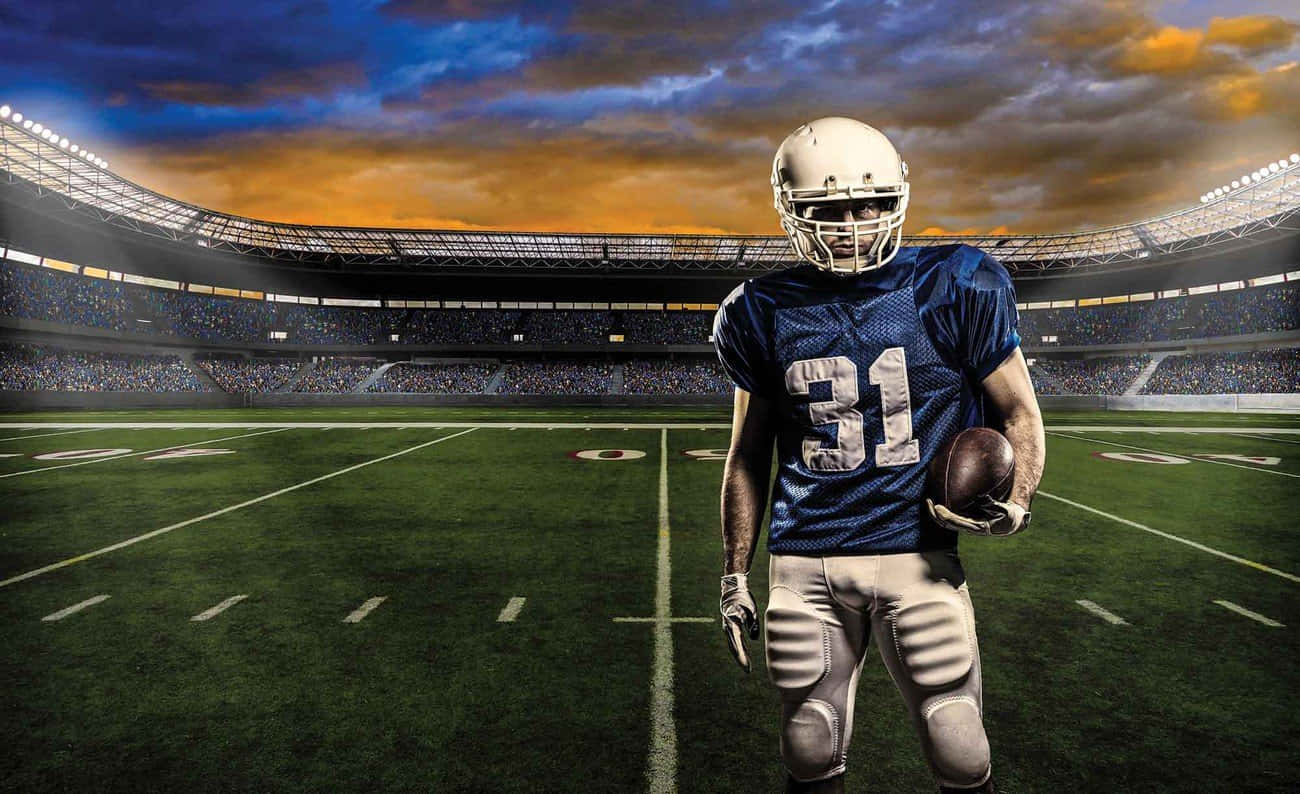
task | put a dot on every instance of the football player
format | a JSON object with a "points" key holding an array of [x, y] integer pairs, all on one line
{"points": [[858, 364]]}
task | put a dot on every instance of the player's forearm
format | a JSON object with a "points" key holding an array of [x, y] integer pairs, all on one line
{"points": [[744, 500], [1024, 429]]}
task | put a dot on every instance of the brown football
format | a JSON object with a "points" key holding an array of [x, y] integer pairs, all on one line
{"points": [[975, 462]]}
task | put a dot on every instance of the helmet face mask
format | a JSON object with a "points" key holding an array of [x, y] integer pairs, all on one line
{"points": [[840, 162]]}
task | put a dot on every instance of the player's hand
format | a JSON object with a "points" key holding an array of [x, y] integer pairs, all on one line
{"points": [[991, 518], [739, 616]]}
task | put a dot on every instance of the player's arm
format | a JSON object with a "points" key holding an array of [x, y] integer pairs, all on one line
{"points": [[745, 479], [1011, 392]]}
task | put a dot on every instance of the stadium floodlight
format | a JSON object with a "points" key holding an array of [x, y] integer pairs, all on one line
{"points": [[1218, 191], [1227, 189], [63, 143], [1204, 199], [5, 110], [75, 148], [1235, 184], [44, 134], [37, 127], [1281, 163], [1272, 168], [1295, 158], [1245, 180], [27, 125], [18, 117]]}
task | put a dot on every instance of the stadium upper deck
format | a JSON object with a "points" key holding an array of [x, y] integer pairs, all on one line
{"points": [[1260, 208]]}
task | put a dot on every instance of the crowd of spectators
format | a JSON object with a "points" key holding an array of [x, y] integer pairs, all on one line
{"points": [[582, 327], [45, 294], [1249, 311], [1148, 321], [1243, 311], [48, 294], [435, 378], [211, 318], [557, 377], [27, 367], [336, 375], [240, 375], [667, 328], [340, 325], [682, 376], [1255, 372], [1108, 375], [450, 326]]}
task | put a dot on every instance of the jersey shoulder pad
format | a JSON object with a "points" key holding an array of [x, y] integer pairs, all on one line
{"points": [[741, 333]]}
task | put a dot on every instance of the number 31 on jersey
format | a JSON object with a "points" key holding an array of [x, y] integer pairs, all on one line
{"points": [[889, 372]]}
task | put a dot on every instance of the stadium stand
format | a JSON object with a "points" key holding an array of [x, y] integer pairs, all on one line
{"points": [[669, 328], [469, 378], [336, 325], [206, 317], [45, 294], [28, 367], [1108, 375], [240, 375], [336, 375], [1253, 372], [665, 376], [566, 327], [450, 326], [1246, 311], [557, 377]]}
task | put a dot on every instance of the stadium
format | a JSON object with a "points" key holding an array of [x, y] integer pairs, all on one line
{"points": [[298, 507]]}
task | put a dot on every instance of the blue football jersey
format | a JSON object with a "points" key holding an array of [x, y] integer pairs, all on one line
{"points": [[871, 374]]}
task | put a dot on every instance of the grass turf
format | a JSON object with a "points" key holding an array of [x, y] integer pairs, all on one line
{"points": [[429, 692]]}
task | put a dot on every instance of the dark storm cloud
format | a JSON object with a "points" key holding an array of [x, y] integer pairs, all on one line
{"points": [[662, 116]]}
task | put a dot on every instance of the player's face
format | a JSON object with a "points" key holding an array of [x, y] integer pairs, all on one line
{"points": [[847, 211]]}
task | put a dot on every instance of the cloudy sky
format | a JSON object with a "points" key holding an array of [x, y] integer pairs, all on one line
{"points": [[659, 115]]}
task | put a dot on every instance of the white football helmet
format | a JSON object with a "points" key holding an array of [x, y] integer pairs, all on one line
{"points": [[840, 160]]}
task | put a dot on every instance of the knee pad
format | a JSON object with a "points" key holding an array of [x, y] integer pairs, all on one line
{"points": [[935, 639], [957, 747], [810, 740], [798, 642]]}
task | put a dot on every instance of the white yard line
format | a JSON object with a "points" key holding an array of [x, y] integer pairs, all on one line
{"points": [[1147, 429], [365, 609], [681, 425], [1240, 610], [1177, 455], [222, 511], [662, 769], [60, 433], [665, 620], [354, 425], [1104, 614], [63, 613], [1168, 536], [1267, 438], [213, 611], [511, 610], [136, 454]]}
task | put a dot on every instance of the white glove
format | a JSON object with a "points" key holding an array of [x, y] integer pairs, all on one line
{"points": [[993, 518], [739, 615]]}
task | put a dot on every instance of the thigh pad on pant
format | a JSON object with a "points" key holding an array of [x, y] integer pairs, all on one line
{"points": [[934, 636], [798, 641]]}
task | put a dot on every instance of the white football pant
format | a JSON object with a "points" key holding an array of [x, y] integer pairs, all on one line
{"points": [[821, 613]]}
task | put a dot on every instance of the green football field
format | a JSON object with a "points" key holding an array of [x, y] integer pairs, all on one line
{"points": [[190, 601]]}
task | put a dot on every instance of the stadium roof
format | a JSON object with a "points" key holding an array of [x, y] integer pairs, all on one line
{"points": [[1260, 209]]}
